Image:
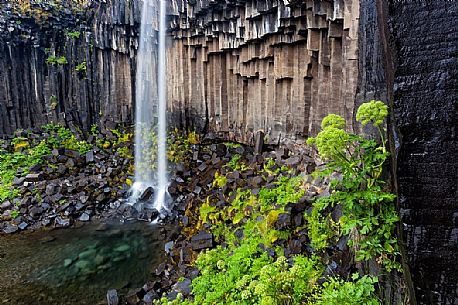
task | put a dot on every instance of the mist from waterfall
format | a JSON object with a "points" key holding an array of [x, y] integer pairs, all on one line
{"points": [[151, 103]]}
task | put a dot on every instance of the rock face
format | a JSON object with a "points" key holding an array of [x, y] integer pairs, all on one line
{"points": [[277, 66], [425, 105], [34, 92]]}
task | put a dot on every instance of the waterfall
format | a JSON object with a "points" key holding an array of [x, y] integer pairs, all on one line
{"points": [[162, 183], [151, 103]]}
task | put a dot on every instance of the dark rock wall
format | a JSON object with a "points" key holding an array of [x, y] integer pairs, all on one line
{"points": [[33, 92], [425, 44]]}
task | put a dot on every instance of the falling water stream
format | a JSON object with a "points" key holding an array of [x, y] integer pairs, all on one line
{"points": [[151, 106]]}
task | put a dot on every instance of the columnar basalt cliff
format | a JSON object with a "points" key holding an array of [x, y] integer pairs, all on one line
{"points": [[34, 92], [241, 66]]}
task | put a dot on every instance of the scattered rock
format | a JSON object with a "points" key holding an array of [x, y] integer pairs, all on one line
{"points": [[34, 177], [202, 240], [112, 297], [84, 217], [10, 228], [183, 287]]}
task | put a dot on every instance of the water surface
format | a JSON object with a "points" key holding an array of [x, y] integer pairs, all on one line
{"points": [[78, 265]]}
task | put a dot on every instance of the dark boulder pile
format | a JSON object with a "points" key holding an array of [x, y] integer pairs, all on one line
{"points": [[194, 181], [67, 186]]}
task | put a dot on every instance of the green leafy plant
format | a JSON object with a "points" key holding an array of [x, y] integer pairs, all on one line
{"points": [[81, 67], [53, 100], [360, 291], [74, 34], [57, 60], [369, 216], [14, 214]]}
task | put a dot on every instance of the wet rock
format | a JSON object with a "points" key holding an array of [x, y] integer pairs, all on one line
{"points": [[87, 254], [35, 168], [83, 265], [168, 247], [197, 190], [112, 297], [47, 239], [135, 296], [79, 206], [84, 217], [202, 167], [220, 150], [57, 152], [282, 153], [89, 156], [202, 240], [100, 259], [67, 262], [62, 222], [10, 228], [84, 199], [294, 247], [147, 194], [36, 211]]}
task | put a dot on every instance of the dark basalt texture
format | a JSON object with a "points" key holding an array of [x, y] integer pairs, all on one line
{"points": [[33, 92], [425, 41]]}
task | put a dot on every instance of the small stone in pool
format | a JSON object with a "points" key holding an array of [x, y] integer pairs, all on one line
{"points": [[82, 264], [87, 254], [122, 248], [67, 262]]}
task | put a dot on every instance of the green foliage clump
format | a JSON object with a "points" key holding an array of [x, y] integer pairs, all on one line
{"points": [[27, 152], [64, 137], [81, 67], [74, 34], [360, 291], [333, 120], [179, 145], [369, 216], [57, 60], [249, 267], [248, 275], [373, 112]]}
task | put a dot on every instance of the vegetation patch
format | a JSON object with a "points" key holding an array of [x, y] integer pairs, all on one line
{"points": [[272, 252]]}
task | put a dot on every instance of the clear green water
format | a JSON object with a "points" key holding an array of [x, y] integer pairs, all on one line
{"points": [[78, 265]]}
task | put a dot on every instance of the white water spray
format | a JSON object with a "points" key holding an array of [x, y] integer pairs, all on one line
{"points": [[151, 103]]}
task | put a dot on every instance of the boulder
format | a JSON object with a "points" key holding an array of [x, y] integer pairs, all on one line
{"points": [[202, 240]]}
